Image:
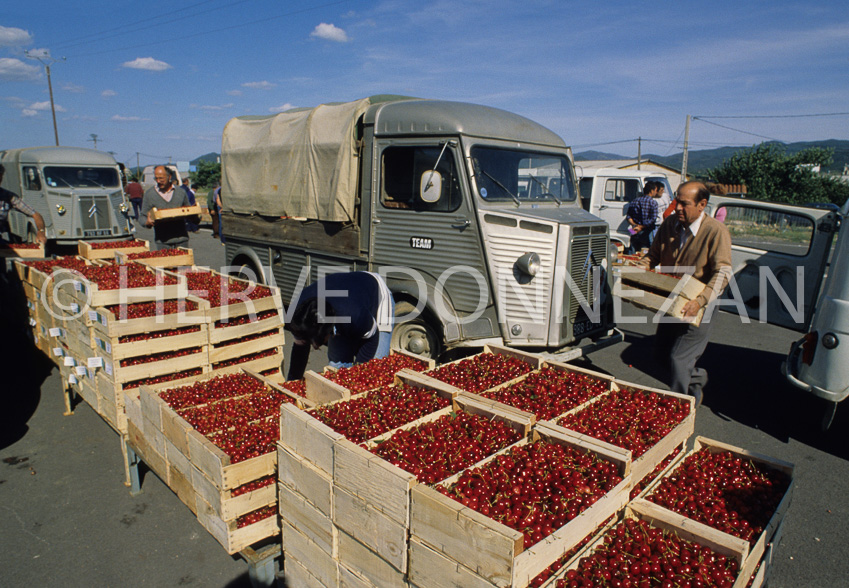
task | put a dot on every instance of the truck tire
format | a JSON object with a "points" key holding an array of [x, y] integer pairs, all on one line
{"points": [[416, 336]]}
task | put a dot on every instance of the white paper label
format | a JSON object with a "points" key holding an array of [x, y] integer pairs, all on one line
{"points": [[92, 315], [80, 370], [72, 379], [95, 362], [75, 307], [32, 322], [69, 362], [58, 352], [78, 286], [55, 332], [108, 367]]}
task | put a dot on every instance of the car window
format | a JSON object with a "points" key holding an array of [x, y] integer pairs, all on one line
{"points": [[401, 174], [621, 190], [770, 230]]}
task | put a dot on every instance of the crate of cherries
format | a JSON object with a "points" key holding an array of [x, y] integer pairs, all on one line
{"points": [[493, 367], [108, 249]]}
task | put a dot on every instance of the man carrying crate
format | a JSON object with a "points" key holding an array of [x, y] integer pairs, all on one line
{"points": [[690, 242], [169, 232]]}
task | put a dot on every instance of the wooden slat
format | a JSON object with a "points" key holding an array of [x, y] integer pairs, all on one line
{"points": [[315, 485]]}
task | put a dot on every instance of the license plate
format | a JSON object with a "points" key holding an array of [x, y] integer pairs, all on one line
{"points": [[580, 328], [97, 232]]}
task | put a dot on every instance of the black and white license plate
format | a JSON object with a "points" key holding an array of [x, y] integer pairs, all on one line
{"points": [[97, 232], [580, 328]]}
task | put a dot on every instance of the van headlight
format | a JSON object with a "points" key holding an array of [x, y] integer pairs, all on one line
{"points": [[529, 264], [60, 210]]}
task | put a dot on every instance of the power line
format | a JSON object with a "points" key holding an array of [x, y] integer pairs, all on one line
{"points": [[777, 115], [735, 130]]}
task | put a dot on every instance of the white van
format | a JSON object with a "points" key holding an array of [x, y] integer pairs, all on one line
{"points": [[147, 179], [607, 191]]}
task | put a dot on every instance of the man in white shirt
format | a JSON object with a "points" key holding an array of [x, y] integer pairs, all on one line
{"points": [[166, 232]]}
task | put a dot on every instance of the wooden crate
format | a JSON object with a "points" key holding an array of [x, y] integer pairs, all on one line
{"points": [[112, 325], [309, 438], [756, 549], [492, 550], [372, 496], [660, 292], [232, 538], [299, 548], [369, 568], [226, 350], [535, 361], [186, 257], [222, 502], [123, 374], [684, 528], [302, 515], [169, 213], [309, 482], [12, 250], [86, 250], [112, 350], [648, 461]]}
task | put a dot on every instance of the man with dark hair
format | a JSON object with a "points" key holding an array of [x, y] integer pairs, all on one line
{"points": [[8, 201], [642, 215], [691, 242], [135, 193], [166, 232], [352, 313]]}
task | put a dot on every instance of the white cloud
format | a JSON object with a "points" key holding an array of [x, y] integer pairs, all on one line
{"points": [[213, 107], [42, 106], [15, 70], [146, 63], [263, 85], [12, 37], [330, 32], [119, 118], [108, 93], [73, 88], [283, 108], [234, 92], [29, 113]]}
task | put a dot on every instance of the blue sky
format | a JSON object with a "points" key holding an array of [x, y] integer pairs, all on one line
{"points": [[163, 78]]}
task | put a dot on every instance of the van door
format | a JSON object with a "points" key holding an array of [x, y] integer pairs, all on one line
{"points": [[615, 194], [32, 193], [432, 238], [779, 255]]}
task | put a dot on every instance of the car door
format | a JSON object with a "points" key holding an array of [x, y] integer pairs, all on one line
{"points": [[779, 256], [617, 193]]}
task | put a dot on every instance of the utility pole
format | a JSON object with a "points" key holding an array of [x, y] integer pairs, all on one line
{"points": [[686, 146], [639, 151], [44, 58], [93, 138], [138, 165]]}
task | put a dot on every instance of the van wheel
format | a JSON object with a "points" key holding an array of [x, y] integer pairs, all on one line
{"points": [[247, 272], [417, 335], [32, 236]]}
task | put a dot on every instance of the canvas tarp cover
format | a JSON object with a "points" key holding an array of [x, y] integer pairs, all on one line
{"points": [[296, 164]]}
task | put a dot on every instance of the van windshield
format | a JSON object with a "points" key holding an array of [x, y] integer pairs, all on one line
{"points": [[503, 175], [81, 177]]}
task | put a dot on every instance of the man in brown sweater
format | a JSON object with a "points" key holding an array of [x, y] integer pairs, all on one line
{"points": [[690, 241]]}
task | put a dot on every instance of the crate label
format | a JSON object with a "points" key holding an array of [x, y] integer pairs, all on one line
{"points": [[32, 322], [80, 370], [95, 362], [69, 362], [75, 307], [92, 315], [72, 379], [104, 345], [78, 286], [58, 352], [55, 332], [90, 373], [108, 367]]}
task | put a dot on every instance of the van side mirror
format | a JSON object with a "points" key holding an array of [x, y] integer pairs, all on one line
{"points": [[430, 188]]}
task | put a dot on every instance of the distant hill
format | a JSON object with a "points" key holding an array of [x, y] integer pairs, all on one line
{"points": [[700, 160], [212, 157]]}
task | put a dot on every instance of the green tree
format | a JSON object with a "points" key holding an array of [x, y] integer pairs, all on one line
{"points": [[771, 174], [207, 175]]}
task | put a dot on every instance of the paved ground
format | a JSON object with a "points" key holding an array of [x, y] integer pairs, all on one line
{"points": [[68, 520]]}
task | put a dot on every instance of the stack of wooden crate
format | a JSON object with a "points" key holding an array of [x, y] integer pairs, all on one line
{"points": [[653, 290], [108, 249]]}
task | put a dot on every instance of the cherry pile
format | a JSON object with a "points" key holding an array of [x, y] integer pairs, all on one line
{"points": [[149, 309], [20, 246], [248, 441], [439, 449], [723, 491], [630, 419], [158, 334], [160, 379], [561, 561], [378, 411], [256, 516], [234, 412], [153, 254], [152, 357], [481, 372], [113, 277], [550, 392], [253, 485], [221, 290], [116, 244], [245, 319], [211, 390], [247, 338], [374, 373], [636, 554], [66, 262], [535, 488], [245, 358], [299, 387]]}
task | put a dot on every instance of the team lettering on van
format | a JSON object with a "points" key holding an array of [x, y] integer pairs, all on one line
{"points": [[421, 243]]}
